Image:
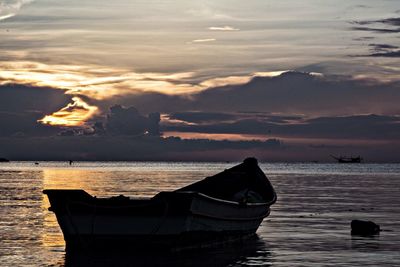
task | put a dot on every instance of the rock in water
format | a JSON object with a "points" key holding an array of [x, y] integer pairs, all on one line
{"points": [[359, 227]]}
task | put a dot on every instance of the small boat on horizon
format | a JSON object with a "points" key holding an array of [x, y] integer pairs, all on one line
{"points": [[348, 159], [222, 208]]}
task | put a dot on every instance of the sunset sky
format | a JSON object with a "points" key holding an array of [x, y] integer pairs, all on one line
{"points": [[281, 80]]}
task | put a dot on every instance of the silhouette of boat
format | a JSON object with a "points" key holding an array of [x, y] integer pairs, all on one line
{"points": [[222, 208], [4, 160], [348, 159]]}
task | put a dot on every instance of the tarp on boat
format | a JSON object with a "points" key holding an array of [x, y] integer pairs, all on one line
{"points": [[246, 178]]}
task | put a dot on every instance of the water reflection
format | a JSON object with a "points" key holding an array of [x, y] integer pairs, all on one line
{"points": [[365, 243], [308, 226], [248, 252]]}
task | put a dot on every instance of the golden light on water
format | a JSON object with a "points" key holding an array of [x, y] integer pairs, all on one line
{"points": [[74, 114]]}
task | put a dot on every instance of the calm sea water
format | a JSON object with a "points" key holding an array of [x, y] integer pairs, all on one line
{"points": [[308, 226]]}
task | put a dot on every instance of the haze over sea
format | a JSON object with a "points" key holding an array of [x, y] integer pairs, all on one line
{"points": [[308, 226]]}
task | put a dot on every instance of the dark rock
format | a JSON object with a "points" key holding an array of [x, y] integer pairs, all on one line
{"points": [[359, 227]]}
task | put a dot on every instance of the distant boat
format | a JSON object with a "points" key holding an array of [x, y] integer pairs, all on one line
{"points": [[225, 207], [4, 160], [348, 159]]}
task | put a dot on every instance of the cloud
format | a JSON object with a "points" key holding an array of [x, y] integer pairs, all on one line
{"points": [[204, 117], [301, 93], [200, 117], [203, 40], [95, 81], [377, 30], [9, 8], [356, 127], [253, 107], [386, 26], [392, 23], [391, 54], [105, 148], [382, 50], [384, 47], [123, 133], [74, 114], [128, 121], [365, 38], [288, 93], [223, 28], [21, 106]]}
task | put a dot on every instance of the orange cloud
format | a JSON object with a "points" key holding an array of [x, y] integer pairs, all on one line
{"points": [[74, 114]]}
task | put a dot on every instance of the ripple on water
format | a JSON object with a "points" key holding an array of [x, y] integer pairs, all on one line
{"points": [[308, 226]]}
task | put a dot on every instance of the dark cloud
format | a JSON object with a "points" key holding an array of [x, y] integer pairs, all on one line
{"points": [[362, 6], [386, 26], [21, 106], [393, 54], [130, 148], [128, 121], [376, 30], [155, 148], [390, 21], [263, 106], [289, 93], [15, 98], [200, 117], [384, 47], [393, 23], [365, 127], [365, 38], [300, 93], [382, 50]]}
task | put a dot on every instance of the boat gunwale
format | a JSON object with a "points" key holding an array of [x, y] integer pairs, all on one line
{"points": [[195, 193], [235, 202]]}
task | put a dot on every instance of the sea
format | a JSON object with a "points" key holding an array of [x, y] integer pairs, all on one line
{"points": [[308, 226]]}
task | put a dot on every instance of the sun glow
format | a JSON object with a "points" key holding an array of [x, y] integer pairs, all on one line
{"points": [[74, 114], [96, 82], [99, 82]]}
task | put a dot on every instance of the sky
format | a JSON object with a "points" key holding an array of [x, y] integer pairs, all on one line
{"points": [[199, 80]]}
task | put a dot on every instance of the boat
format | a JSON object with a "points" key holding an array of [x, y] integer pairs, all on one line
{"points": [[348, 159], [222, 208]]}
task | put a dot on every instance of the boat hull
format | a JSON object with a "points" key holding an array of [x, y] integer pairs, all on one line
{"points": [[184, 219]]}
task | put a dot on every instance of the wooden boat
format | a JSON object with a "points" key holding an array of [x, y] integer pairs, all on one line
{"points": [[348, 159], [224, 207]]}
